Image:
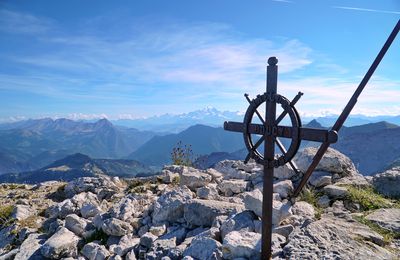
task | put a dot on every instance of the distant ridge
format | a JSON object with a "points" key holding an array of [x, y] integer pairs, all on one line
{"points": [[204, 140], [32, 144], [79, 165]]}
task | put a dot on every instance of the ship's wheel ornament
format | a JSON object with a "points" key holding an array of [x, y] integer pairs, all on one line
{"points": [[274, 129]]}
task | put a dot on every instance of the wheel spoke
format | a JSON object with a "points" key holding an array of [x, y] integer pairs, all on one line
{"points": [[294, 101], [258, 114], [282, 116], [256, 145], [280, 145], [283, 150], [260, 117]]}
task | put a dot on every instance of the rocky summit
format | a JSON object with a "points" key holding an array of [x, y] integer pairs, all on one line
{"points": [[186, 213]]}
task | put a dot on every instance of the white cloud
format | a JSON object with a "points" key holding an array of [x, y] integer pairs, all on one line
{"points": [[179, 67], [17, 22], [366, 10]]}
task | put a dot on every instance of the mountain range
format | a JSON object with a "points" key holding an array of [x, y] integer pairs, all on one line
{"points": [[203, 140], [32, 144], [175, 123], [79, 165], [373, 147]]}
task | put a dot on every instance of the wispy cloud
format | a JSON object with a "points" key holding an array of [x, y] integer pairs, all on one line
{"points": [[17, 22], [190, 59], [324, 95], [284, 1], [173, 67], [366, 10]]}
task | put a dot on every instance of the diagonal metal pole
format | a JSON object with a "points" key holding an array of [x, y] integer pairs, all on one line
{"points": [[347, 110]]}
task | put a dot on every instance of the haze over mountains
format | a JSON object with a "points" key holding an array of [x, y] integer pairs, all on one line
{"points": [[31, 145], [213, 117]]}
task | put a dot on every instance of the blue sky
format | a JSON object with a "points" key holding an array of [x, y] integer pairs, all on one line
{"points": [[129, 59]]}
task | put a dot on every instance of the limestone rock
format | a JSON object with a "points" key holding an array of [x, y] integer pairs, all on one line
{"points": [[387, 183], [83, 198], [354, 180], [193, 178], [116, 227], [21, 212], [324, 201], [216, 175], [320, 179], [334, 238], [62, 209], [62, 244], [169, 207], [125, 244], [203, 212], [163, 247], [234, 169], [334, 191], [125, 209], [209, 192], [130, 255], [284, 230], [158, 230], [241, 244], [89, 210], [303, 209], [284, 172], [75, 224], [103, 186], [386, 218], [241, 221], [30, 248], [283, 188], [177, 233], [9, 255], [147, 239], [204, 248], [253, 201], [94, 251], [168, 176], [231, 187], [333, 161]]}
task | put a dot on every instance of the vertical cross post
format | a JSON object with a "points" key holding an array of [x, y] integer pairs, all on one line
{"points": [[269, 153]]}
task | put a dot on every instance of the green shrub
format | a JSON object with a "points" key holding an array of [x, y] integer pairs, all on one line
{"points": [[388, 235], [176, 180], [367, 198], [311, 196], [182, 155], [5, 215]]}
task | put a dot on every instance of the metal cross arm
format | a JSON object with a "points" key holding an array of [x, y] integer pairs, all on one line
{"points": [[308, 134]]}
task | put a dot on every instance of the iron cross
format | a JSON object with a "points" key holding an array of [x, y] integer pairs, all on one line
{"points": [[270, 131]]}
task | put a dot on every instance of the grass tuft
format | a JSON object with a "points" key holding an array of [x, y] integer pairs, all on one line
{"points": [[5, 215], [368, 198], [388, 235], [311, 196]]}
